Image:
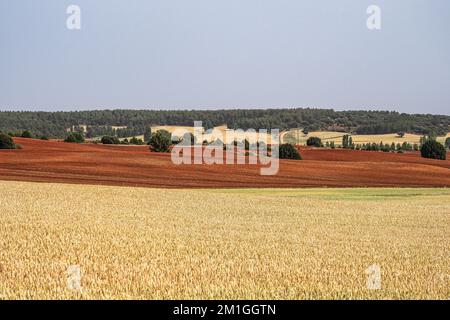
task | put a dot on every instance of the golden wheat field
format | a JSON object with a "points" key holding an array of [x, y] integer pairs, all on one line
{"points": [[137, 243], [298, 137]]}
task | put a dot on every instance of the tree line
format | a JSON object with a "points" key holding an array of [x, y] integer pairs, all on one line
{"points": [[100, 122]]}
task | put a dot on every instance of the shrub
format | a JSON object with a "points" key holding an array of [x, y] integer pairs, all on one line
{"points": [[74, 137], [160, 141], [43, 137], [433, 150], [375, 147], [314, 142], [400, 134], [393, 147], [345, 141], [6, 142], [26, 134], [289, 151], [136, 141], [110, 140]]}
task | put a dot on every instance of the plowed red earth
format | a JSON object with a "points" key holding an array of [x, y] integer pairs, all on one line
{"points": [[52, 161]]}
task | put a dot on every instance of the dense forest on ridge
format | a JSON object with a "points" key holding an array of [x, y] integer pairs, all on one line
{"points": [[99, 122]]}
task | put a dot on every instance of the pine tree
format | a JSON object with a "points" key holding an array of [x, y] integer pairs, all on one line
{"points": [[345, 141], [393, 146]]}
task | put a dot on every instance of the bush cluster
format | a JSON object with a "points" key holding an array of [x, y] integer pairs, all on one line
{"points": [[289, 151], [433, 150], [110, 140], [160, 141], [6, 142], [74, 137], [314, 142]]}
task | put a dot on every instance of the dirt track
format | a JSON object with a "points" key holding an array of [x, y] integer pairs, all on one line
{"points": [[50, 161]]}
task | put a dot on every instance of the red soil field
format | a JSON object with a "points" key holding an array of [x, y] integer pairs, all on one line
{"points": [[52, 161]]}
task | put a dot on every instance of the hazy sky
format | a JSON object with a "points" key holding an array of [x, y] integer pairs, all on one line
{"points": [[213, 54]]}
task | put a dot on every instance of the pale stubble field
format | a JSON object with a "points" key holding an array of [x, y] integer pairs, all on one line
{"points": [[139, 243]]}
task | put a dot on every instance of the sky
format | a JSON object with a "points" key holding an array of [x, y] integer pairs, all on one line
{"points": [[222, 54]]}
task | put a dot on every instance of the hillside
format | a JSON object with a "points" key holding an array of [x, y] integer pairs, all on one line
{"points": [[126, 123], [51, 161]]}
